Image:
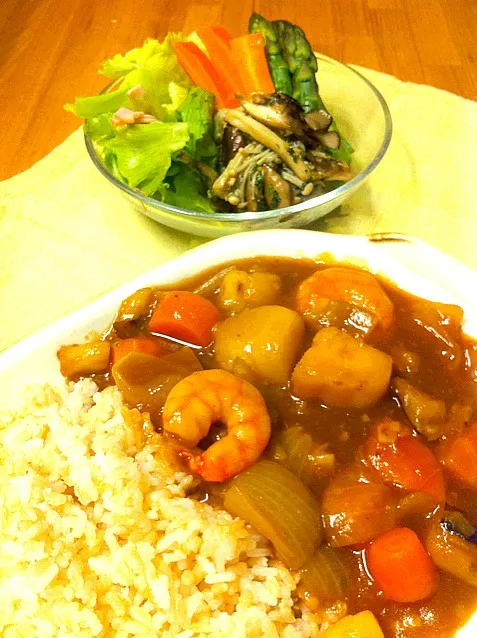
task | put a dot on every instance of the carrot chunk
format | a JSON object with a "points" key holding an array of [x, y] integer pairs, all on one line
{"points": [[401, 567], [186, 316]]}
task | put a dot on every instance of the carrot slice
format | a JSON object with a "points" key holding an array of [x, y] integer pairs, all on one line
{"points": [[202, 72], [146, 345], [222, 32], [403, 460], [401, 567], [248, 54], [458, 455], [186, 316], [217, 42]]}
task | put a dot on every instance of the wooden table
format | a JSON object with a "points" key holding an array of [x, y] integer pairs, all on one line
{"points": [[50, 50]]}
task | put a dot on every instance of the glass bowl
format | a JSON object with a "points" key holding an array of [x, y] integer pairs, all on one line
{"points": [[363, 118]]}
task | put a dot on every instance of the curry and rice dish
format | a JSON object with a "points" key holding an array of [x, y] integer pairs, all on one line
{"points": [[274, 448]]}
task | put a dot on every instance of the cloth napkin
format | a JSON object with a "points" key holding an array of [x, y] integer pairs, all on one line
{"points": [[66, 236]]}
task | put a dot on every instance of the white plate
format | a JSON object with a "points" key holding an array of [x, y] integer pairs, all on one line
{"points": [[409, 263]]}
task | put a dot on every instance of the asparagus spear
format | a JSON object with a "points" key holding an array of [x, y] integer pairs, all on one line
{"points": [[303, 66], [278, 67]]}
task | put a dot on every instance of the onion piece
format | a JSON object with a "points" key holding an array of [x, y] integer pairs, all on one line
{"points": [[440, 324], [279, 506], [308, 460], [135, 306], [416, 504], [212, 285], [427, 414], [326, 576], [145, 381], [452, 554], [458, 523]]}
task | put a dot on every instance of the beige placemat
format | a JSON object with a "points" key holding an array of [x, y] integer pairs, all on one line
{"points": [[66, 236]]}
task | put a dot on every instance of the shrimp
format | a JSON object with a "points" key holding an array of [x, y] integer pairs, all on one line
{"points": [[338, 295], [208, 396]]}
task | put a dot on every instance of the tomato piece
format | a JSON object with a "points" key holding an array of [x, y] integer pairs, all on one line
{"points": [[404, 460], [354, 514], [458, 455], [360, 291]]}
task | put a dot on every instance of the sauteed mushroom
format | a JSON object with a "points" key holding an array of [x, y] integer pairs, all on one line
{"points": [[274, 154]]}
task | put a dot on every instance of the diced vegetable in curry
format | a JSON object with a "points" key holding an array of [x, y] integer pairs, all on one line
{"points": [[334, 413]]}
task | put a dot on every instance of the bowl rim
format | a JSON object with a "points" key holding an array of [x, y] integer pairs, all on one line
{"points": [[267, 214]]}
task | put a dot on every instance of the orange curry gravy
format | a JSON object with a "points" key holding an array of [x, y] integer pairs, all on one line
{"points": [[428, 350]]}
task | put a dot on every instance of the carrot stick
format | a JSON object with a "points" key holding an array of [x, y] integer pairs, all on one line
{"points": [[217, 42], [202, 72], [401, 567], [146, 345], [222, 33], [248, 53], [186, 316]]}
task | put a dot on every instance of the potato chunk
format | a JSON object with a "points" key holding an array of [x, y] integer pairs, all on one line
{"points": [[362, 625], [240, 289], [341, 371], [260, 343], [82, 359]]}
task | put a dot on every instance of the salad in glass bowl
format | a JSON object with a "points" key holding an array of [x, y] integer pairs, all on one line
{"points": [[207, 122]]}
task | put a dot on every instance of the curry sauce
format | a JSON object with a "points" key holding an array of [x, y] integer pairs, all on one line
{"points": [[405, 403]]}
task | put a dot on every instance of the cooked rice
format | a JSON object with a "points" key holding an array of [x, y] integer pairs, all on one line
{"points": [[99, 538]]}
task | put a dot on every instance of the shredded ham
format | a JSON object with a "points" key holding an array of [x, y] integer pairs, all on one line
{"points": [[127, 116], [137, 92]]}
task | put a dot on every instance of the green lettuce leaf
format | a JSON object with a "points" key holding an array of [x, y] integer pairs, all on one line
{"points": [[143, 152], [144, 156], [186, 189], [88, 107], [197, 110], [155, 75], [154, 66], [99, 127], [119, 65], [177, 95]]}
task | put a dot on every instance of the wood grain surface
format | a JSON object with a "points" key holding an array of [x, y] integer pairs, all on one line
{"points": [[50, 50]]}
